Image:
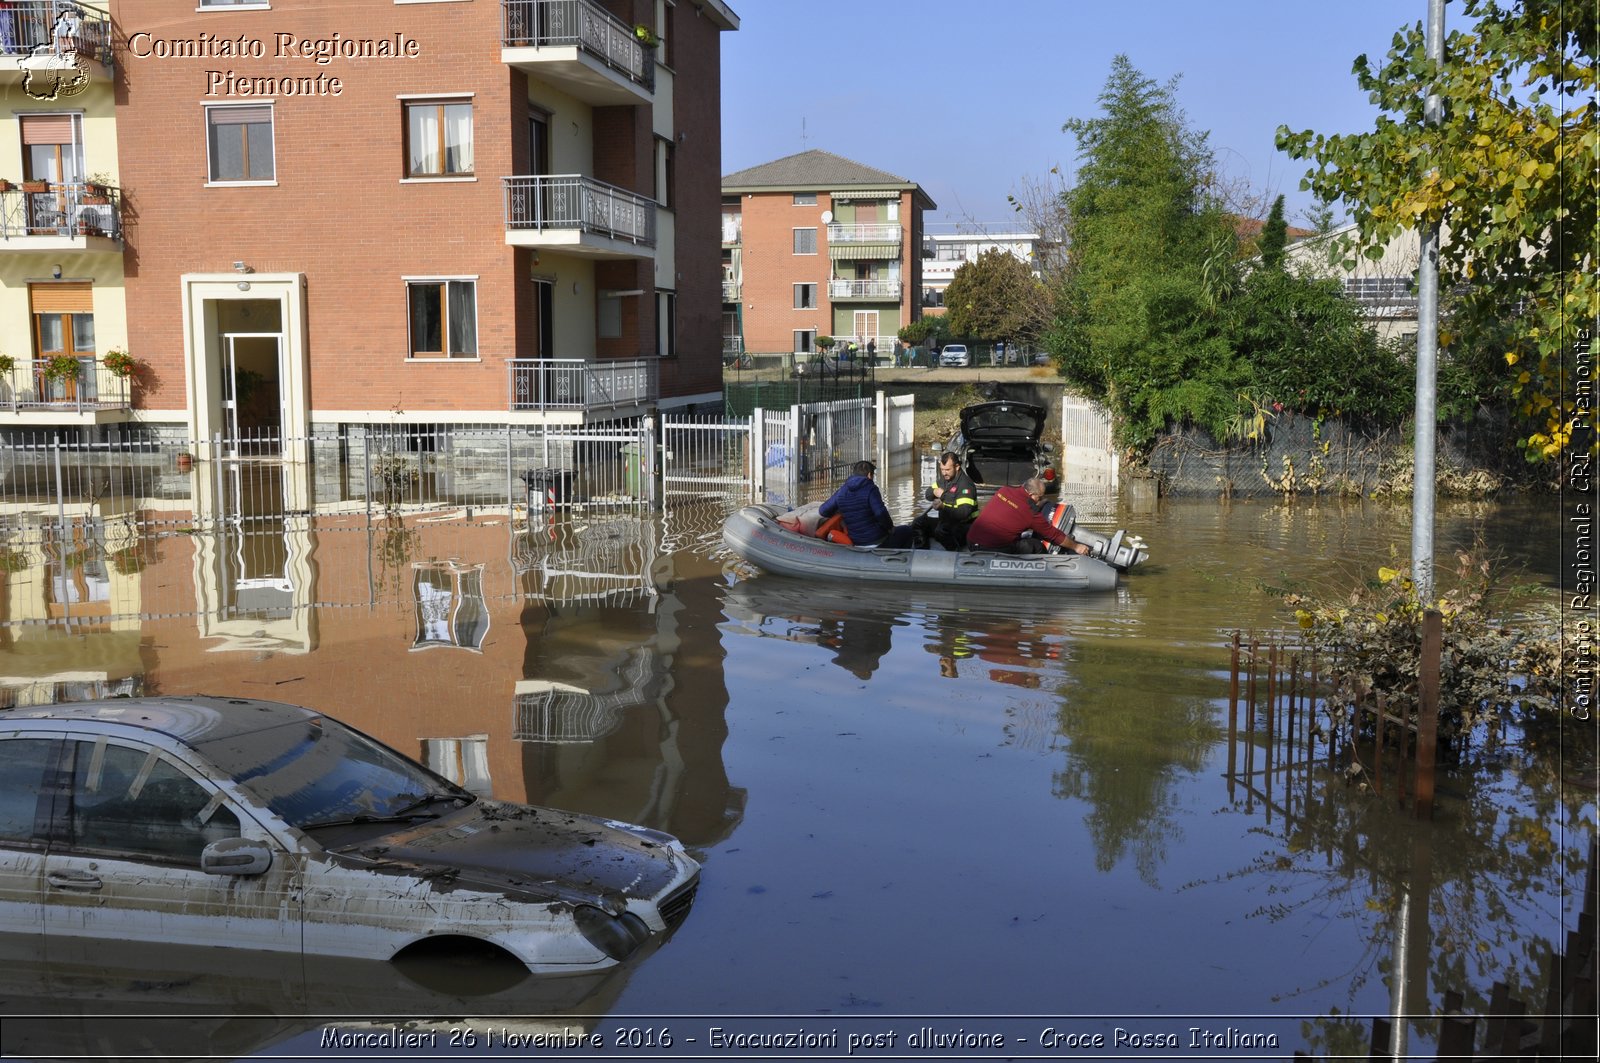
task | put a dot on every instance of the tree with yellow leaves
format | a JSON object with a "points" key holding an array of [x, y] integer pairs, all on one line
{"points": [[1509, 173]]}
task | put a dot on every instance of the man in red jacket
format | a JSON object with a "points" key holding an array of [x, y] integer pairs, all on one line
{"points": [[1012, 511]]}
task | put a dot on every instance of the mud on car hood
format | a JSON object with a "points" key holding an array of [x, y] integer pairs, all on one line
{"points": [[541, 852], [1002, 424]]}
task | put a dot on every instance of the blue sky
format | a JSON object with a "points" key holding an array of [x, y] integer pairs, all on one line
{"points": [[968, 98]]}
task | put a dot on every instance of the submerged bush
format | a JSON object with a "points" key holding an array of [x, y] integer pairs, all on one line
{"points": [[1488, 668]]}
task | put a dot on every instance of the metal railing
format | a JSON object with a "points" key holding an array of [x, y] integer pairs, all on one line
{"points": [[868, 289], [574, 384], [27, 387], [730, 291], [571, 201], [876, 233], [27, 28], [60, 210], [580, 24]]}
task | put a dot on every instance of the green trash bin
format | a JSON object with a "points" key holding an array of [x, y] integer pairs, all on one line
{"points": [[633, 469]]}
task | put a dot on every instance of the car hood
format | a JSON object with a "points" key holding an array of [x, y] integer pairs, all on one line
{"points": [[541, 852], [1002, 423]]}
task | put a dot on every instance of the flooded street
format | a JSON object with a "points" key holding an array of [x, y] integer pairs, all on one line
{"points": [[909, 804]]}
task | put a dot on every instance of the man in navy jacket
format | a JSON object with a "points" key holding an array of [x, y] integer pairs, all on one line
{"points": [[866, 518]]}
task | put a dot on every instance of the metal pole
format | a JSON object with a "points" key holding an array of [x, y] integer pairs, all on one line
{"points": [[1427, 349]]}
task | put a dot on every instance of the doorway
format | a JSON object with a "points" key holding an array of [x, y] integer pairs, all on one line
{"points": [[252, 392]]}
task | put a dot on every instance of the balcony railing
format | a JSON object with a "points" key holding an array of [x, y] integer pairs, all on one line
{"points": [[580, 24], [574, 384], [876, 233], [730, 291], [60, 210], [858, 289], [29, 31], [26, 387], [570, 201]]}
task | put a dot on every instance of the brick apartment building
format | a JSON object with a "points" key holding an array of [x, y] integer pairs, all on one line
{"points": [[817, 245], [441, 212]]}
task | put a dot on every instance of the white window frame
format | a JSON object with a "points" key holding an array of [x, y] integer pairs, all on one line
{"points": [[812, 229], [809, 346], [444, 325], [444, 99], [805, 199], [801, 290], [225, 182]]}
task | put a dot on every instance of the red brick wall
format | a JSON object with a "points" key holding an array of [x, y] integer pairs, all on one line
{"points": [[772, 269], [339, 214]]}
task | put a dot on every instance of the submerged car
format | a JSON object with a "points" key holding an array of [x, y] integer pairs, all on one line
{"points": [[1000, 445], [259, 825]]}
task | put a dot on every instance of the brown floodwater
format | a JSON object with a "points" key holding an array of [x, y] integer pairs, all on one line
{"points": [[979, 814]]}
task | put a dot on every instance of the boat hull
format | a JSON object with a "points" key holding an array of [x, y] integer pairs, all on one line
{"points": [[755, 535]]}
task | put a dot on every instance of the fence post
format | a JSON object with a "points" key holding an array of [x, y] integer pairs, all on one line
{"points": [[758, 455], [1428, 710], [216, 471]]}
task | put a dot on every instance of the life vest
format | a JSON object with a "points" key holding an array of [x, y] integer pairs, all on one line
{"points": [[832, 530]]}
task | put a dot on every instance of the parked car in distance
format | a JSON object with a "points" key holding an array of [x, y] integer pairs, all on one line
{"points": [[264, 826], [954, 355], [1000, 445]]}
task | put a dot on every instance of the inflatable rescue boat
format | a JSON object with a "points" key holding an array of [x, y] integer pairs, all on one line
{"points": [[795, 543]]}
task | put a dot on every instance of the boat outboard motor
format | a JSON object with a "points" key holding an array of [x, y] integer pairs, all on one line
{"points": [[1119, 550]]}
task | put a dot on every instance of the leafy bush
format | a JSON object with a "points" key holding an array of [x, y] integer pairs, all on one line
{"points": [[1373, 640]]}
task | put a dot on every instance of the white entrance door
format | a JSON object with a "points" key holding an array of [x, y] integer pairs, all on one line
{"points": [[252, 398]]}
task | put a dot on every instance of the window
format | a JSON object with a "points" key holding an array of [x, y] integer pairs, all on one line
{"points": [[22, 764], [667, 323], [805, 241], [805, 199], [438, 138], [804, 340], [443, 318], [666, 177], [805, 296], [132, 800], [63, 324], [239, 143], [608, 312], [669, 28]]}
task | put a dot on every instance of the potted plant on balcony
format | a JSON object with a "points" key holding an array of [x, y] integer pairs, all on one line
{"points": [[59, 368], [7, 363], [646, 36], [5, 185], [35, 185], [119, 363], [97, 189]]}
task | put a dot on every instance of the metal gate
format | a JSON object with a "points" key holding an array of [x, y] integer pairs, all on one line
{"points": [[706, 456]]}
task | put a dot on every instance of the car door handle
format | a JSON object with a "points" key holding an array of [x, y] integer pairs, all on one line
{"points": [[74, 880]]}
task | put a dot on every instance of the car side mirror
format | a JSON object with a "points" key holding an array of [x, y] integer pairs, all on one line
{"points": [[235, 856]]}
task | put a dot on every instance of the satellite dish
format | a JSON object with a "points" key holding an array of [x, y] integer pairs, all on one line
{"points": [[827, 217]]}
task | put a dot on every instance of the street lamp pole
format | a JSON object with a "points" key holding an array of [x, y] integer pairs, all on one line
{"points": [[1427, 349]]}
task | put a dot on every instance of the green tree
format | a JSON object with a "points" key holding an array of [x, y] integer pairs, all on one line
{"points": [[1274, 237], [997, 297], [1134, 322], [1508, 172], [931, 328]]}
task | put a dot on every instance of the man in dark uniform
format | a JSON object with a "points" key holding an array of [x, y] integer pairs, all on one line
{"points": [[958, 506]]}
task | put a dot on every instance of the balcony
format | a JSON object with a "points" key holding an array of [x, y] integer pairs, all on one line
{"points": [[28, 54], [730, 291], [873, 241], [64, 217], [579, 215], [873, 290], [26, 390], [553, 384], [732, 230], [580, 48]]}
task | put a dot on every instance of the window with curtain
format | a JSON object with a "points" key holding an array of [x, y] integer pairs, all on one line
{"points": [[443, 318], [239, 143], [805, 241], [438, 139]]}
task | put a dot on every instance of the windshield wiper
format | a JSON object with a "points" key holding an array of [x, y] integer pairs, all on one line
{"points": [[428, 799], [403, 814]]}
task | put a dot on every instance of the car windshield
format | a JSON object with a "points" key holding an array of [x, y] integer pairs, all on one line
{"points": [[320, 772]]}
